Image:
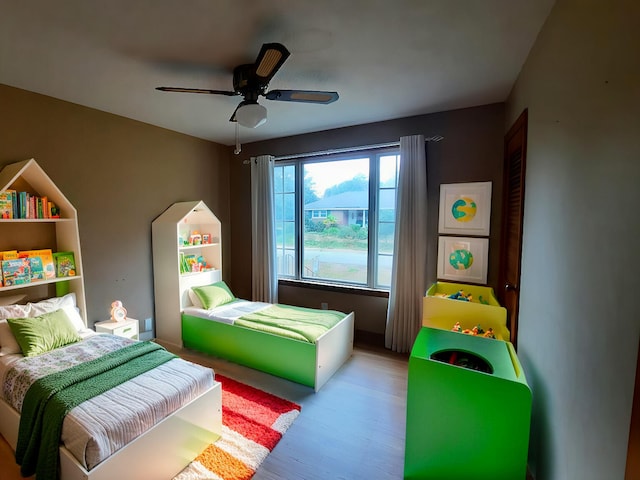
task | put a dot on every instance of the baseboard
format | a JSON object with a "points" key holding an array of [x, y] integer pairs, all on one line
{"points": [[368, 338]]}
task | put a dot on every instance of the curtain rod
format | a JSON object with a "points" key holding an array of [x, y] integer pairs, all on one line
{"points": [[434, 138]]}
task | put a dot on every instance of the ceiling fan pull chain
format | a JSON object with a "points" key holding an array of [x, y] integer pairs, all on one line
{"points": [[238, 148]]}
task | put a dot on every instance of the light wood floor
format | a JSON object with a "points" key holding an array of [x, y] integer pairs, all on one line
{"points": [[353, 428]]}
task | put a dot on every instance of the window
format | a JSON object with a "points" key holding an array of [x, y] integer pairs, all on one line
{"points": [[335, 218]]}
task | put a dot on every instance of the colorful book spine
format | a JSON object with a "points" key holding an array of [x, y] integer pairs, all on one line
{"points": [[25, 205], [6, 204]]}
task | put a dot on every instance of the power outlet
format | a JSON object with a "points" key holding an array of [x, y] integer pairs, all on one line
{"points": [[148, 324], [324, 306]]}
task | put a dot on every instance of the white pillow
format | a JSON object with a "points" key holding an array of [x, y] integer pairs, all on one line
{"points": [[15, 311], [73, 313], [52, 304], [8, 343], [66, 303], [195, 300]]}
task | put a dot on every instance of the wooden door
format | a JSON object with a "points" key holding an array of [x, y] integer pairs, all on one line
{"points": [[515, 149], [633, 449]]}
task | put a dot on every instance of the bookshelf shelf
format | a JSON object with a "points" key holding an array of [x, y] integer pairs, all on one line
{"points": [[57, 234], [36, 220], [169, 230], [40, 283], [198, 247]]}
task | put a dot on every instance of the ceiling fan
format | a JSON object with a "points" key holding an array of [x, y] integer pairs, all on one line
{"points": [[251, 81]]}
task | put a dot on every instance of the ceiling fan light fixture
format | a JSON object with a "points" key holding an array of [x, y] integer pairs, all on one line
{"points": [[251, 115]]}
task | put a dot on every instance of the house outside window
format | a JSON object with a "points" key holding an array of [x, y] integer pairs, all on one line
{"points": [[335, 218]]}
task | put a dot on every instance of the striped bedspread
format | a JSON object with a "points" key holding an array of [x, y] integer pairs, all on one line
{"points": [[98, 427]]}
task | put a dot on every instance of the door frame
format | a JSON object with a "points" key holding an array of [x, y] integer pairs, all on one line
{"points": [[517, 132]]}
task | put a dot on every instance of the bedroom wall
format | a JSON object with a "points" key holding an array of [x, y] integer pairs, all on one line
{"points": [[471, 151], [120, 174], [579, 323]]}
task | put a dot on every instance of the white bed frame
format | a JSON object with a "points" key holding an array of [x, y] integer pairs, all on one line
{"points": [[160, 453], [333, 349]]}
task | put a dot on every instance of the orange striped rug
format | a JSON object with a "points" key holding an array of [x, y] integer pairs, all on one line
{"points": [[253, 422]]}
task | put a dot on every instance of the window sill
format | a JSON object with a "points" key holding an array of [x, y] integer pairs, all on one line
{"points": [[331, 287]]}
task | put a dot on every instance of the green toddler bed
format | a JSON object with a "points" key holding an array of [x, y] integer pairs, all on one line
{"points": [[300, 353]]}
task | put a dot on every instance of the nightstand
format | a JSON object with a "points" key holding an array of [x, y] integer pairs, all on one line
{"points": [[127, 328]]}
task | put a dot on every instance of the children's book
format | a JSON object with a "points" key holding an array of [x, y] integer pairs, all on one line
{"points": [[6, 204], [37, 269], [65, 264], [16, 271], [46, 258]]}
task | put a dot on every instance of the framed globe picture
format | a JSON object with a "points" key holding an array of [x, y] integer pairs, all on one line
{"points": [[465, 208], [463, 259]]}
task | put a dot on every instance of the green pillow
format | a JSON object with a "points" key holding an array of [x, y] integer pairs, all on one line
{"points": [[214, 295], [37, 335]]}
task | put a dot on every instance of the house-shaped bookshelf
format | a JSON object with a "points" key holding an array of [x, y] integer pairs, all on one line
{"points": [[58, 234], [187, 252]]}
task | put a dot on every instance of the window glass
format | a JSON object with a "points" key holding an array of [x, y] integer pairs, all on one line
{"points": [[343, 237], [389, 168], [335, 244], [285, 216]]}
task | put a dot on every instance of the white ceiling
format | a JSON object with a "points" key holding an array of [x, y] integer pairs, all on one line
{"points": [[387, 59]]}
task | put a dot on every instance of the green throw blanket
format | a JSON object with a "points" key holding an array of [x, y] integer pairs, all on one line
{"points": [[51, 397], [299, 323]]}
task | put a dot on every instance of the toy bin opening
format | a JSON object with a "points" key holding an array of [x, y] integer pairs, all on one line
{"points": [[463, 359]]}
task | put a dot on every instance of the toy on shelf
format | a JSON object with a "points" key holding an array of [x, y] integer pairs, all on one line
{"points": [[446, 303], [475, 331], [459, 295]]}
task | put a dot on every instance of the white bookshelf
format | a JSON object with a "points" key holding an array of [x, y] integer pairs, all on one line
{"points": [[169, 232], [58, 234]]}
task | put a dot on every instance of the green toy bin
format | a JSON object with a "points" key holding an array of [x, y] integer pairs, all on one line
{"points": [[468, 409]]}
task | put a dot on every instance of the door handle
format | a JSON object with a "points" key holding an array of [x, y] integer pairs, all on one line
{"points": [[509, 287]]}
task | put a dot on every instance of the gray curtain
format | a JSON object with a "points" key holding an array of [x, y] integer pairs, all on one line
{"points": [[264, 284], [409, 270]]}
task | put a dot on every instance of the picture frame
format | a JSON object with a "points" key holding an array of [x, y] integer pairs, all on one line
{"points": [[465, 208], [463, 259]]}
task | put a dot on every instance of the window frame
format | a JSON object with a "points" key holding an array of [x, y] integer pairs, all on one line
{"points": [[372, 212]]}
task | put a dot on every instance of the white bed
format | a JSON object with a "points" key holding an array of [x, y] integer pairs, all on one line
{"points": [[151, 426]]}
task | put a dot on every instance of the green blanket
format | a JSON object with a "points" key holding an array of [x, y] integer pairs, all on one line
{"points": [[51, 397], [299, 323]]}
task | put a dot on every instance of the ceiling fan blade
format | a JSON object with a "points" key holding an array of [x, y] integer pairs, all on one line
{"points": [[269, 61], [304, 96], [197, 90]]}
